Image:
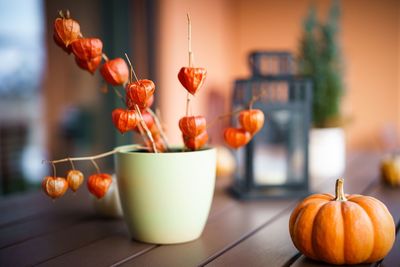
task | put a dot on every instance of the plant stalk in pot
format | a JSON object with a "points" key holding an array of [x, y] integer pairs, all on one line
{"points": [[319, 59], [165, 192]]}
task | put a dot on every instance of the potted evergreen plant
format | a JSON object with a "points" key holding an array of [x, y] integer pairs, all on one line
{"points": [[319, 58]]}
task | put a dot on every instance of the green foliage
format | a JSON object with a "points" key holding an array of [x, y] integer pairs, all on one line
{"points": [[319, 59]]}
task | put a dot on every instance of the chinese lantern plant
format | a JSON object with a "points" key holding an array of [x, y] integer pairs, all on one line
{"points": [[137, 96], [342, 229]]}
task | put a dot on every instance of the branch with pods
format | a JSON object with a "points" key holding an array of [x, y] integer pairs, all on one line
{"points": [[136, 115]]}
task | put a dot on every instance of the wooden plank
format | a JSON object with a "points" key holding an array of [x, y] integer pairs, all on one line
{"points": [[103, 253], [272, 245], [234, 224], [47, 246], [40, 225], [123, 249], [31, 221], [388, 195], [393, 259], [37, 204]]}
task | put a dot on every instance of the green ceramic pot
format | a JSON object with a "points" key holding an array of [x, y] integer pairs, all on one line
{"points": [[165, 197]]}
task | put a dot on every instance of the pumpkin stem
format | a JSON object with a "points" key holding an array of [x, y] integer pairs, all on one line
{"points": [[339, 190]]}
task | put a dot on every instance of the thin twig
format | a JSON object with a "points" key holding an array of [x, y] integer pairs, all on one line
{"points": [[220, 117], [132, 69], [96, 166], [54, 170], [120, 96], [256, 98], [189, 23], [142, 133], [104, 56], [146, 129], [72, 164], [159, 127], [98, 156], [142, 122]]}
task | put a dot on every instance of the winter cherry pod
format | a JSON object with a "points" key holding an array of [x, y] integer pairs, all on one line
{"points": [[74, 179], [98, 184], [115, 71], [149, 103], [236, 137], [138, 93], [148, 119], [54, 187], [124, 120], [88, 53], [192, 126], [66, 31], [252, 120], [192, 78], [196, 142]]}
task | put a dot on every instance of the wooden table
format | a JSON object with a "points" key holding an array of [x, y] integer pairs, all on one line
{"points": [[37, 231]]}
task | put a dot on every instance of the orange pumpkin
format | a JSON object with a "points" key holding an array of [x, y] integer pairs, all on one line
{"points": [[98, 184], [252, 120], [54, 187], [342, 229], [74, 179]]}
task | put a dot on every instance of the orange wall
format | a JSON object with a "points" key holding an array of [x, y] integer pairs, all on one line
{"points": [[225, 31]]}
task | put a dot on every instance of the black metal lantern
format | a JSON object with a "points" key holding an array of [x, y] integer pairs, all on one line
{"points": [[275, 162]]}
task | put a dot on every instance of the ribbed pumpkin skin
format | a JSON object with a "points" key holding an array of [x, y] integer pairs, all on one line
{"points": [[359, 230]]}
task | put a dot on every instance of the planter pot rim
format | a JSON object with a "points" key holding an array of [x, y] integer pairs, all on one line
{"points": [[127, 149]]}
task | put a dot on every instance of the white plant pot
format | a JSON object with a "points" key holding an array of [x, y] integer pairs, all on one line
{"points": [[327, 155]]}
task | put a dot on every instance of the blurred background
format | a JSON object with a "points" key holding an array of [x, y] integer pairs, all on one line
{"points": [[49, 108]]}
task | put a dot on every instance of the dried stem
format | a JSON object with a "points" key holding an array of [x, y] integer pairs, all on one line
{"points": [[104, 56], [159, 127], [132, 69], [54, 170], [142, 122], [95, 165], [220, 117], [142, 133], [72, 163], [120, 96], [189, 22], [98, 156], [146, 129]]}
